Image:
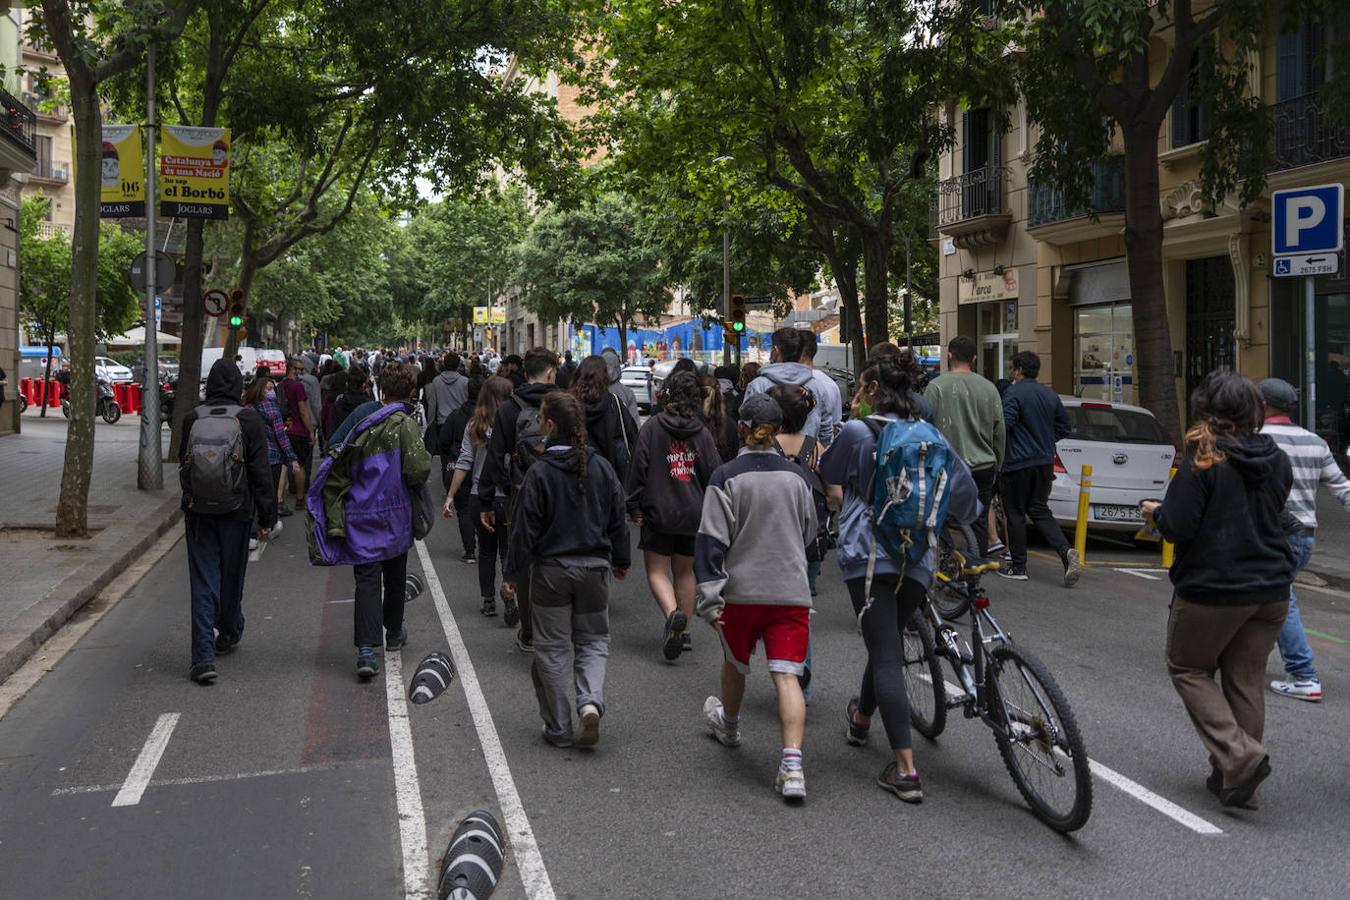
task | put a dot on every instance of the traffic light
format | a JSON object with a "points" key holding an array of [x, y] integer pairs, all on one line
{"points": [[738, 313], [236, 308]]}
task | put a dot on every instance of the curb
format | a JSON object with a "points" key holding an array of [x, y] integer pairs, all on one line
{"points": [[20, 639]]}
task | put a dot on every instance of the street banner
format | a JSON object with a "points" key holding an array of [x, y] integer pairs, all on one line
{"points": [[122, 159], [194, 167], [499, 315], [480, 315]]}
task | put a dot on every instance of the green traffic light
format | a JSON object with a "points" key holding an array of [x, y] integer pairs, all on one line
{"points": [[236, 321], [738, 326]]}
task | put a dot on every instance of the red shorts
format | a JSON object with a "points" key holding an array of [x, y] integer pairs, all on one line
{"points": [[786, 631]]}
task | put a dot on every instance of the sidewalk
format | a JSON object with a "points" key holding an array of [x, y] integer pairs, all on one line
{"points": [[45, 580], [1331, 555]]}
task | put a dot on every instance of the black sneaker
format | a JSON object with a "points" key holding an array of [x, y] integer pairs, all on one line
{"points": [[203, 673], [469, 558], [1241, 794], [672, 635], [396, 641], [1013, 573], [906, 787], [524, 644], [688, 645], [367, 666], [856, 734], [489, 607], [226, 645], [510, 612]]}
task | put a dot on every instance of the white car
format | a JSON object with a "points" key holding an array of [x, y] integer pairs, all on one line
{"points": [[111, 370], [1131, 458], [639, 380]]}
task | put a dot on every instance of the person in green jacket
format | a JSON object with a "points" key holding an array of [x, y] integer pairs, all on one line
{"points": [[969, 413]]}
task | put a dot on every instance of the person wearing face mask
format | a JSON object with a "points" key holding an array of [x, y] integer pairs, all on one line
{"points": [[261, 396]]}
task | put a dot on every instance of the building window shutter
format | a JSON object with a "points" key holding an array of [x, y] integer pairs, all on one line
{"points": [[1180, 132], [1311, 34], [1288, 65], [965, 141]]}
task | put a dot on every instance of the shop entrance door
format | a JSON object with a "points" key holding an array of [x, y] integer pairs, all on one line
{"points": [[998, 338], [1209, 318]]}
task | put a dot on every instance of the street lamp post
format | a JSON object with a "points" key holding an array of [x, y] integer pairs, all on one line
{"points": [[726, 266]]}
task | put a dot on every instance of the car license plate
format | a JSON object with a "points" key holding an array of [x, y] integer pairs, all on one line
{"points": [[1111, 513]]}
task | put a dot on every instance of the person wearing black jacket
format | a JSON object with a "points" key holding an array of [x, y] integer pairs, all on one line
{"points": [[611, 430], [505, 468], [1225, 512], [217, 540], [449, 438], [674, 460], [567, 535]]}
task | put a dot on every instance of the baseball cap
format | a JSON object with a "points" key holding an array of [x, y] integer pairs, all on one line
{"points": [[761, 409], [1279, 393]]}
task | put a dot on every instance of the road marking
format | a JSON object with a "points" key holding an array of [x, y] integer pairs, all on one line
{"points": [[1326, 637], [138, 779], [524, 847], [1147, 574], [412, 822], [211, 779], [1133, 788]]}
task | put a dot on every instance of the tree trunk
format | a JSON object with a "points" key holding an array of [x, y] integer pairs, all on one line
{"points": [[1143, 250], [846, 280], [190, 353], [623, 342], [876, 277], [47, 378], [72, 514]]}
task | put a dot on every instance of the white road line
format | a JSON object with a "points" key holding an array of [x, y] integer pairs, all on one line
{"points": [[138, 779], [211, 779], [1133, 788], [1142, 573], [412, 821], [524, 848]]}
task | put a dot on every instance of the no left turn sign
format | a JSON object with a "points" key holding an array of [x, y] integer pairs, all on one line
{"points": [[214, 302]]}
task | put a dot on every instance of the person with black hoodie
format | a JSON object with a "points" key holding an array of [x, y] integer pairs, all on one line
{"points": [[219, 512], [1225, 512], [515, 444], [611, 430], [567, 536], [672, 464], [449, 439]]}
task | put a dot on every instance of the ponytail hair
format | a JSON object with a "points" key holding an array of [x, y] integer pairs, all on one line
{"points": [[894, 387], [761, 436], [569, 427]]}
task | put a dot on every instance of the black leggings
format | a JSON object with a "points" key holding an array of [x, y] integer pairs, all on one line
{"points": [[487, 547], [883, 681]]}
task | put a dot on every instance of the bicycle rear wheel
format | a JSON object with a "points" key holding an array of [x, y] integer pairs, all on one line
{"points": [[923, 680], [1039, 739], [949, 592]]}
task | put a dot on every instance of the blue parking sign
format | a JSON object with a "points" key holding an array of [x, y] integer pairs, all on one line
{"points": [[1308, 219]]}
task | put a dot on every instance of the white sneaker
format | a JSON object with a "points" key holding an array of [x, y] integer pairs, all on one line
{"points": [[726, 735], [252, 545], [1309, 689], [276, 530], [590, 726], [791, 783], [994, 548]]}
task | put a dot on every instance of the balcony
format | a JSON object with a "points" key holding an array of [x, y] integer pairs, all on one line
{"points": [[18, 124], [1305, 135], [1049, 219], [972, 208], [48, 172]]}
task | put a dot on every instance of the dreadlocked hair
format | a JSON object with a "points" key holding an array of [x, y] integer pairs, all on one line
{"points": [[564, 410], [1224, 407]]}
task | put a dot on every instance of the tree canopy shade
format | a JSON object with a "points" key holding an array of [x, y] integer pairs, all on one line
{"points": [[592, 263], [1092, 71], [830, 103]]}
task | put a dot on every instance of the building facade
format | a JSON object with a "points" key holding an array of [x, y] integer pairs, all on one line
{"points": [[18, 159], [54, 176], [1020, 271]]}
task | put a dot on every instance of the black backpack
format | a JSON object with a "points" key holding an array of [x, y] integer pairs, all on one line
{"points": [[807, 457], [217, 472], [530, 441]]}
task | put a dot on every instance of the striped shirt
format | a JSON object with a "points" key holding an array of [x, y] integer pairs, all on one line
{"points": [[1313, 465]]}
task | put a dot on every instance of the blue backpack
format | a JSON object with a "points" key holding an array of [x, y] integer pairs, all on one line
{"points": [[911, 489]]}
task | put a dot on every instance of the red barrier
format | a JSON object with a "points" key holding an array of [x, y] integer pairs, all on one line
{"points": [[133, 405], [54, 394]]}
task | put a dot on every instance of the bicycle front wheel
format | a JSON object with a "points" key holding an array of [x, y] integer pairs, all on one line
{"points": [[1039, 739], [923, 680], [949, 591]]}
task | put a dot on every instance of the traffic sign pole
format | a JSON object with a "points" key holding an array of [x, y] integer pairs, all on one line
{"points": [[150, 460]]}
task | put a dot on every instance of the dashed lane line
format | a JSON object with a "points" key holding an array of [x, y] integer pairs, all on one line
{"points": [[524, 848], [143, 769]]}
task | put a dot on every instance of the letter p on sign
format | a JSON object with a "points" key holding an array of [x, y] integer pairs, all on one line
{"points": [[1308, 220]]}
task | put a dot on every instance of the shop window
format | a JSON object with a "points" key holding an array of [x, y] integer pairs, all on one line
{"points": [[1104, 357]]}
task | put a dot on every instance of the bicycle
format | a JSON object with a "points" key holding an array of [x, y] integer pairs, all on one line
{"points": [[1003, 686]]}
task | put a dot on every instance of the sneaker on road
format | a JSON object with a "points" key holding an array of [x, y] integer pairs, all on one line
{"points": [[590, 726], [510, 612], [367, 666], [203, 673], [524, 644], [252, 545], [276, 530], [672, 635], [286, 509], [225, 645], [791, 783], [1309, 689], [856, 734], [396, 641], [489, 607], [688, 645], [996, 547], [906, 787], [561, 741], [468, 558], [726, 735], [1013, 573], [1073, 568]]}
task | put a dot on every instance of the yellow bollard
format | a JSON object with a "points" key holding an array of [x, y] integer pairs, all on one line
{"points": [[1168, 551], [1084, 510]]}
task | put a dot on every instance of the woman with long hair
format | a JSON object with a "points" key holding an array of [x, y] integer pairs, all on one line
{"points": [[886, 392], [612, 429], [723, 428], [674, 460], [469, 465], [1225, 512], [262, 396], [449, 440]]}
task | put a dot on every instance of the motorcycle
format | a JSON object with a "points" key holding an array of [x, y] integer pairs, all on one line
{"points": [[106, 406], [167, 390]]}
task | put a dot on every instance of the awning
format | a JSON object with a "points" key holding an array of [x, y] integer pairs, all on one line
{"points": [[136, 338], [37, 352]]}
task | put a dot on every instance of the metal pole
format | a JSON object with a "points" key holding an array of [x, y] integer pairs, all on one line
{"points": [[726, 284], [150, 460], [1309, 353], [909, 307]]}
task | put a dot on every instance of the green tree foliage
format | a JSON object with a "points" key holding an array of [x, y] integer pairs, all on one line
{"points": [[592, 263]]}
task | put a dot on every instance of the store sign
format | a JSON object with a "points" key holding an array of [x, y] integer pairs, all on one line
{"points": [[987, 286], [1319, 264], [122, 162], [194, 167]]}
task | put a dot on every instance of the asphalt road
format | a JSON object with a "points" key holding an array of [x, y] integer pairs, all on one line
{"points": [[282, 779]]}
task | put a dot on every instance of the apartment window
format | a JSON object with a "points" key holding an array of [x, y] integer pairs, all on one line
{"points": [[44, 156], [1190, 118], [1299, 69], [981, 143]]}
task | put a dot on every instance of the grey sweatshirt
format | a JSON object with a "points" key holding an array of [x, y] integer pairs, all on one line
{"points": [[758, 515], [444, 394], [827, 417]]}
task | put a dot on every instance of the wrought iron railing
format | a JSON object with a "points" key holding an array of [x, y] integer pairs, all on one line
{"points": [[1305, 134], [18, 123], [1045, 201], [971, 195]]}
